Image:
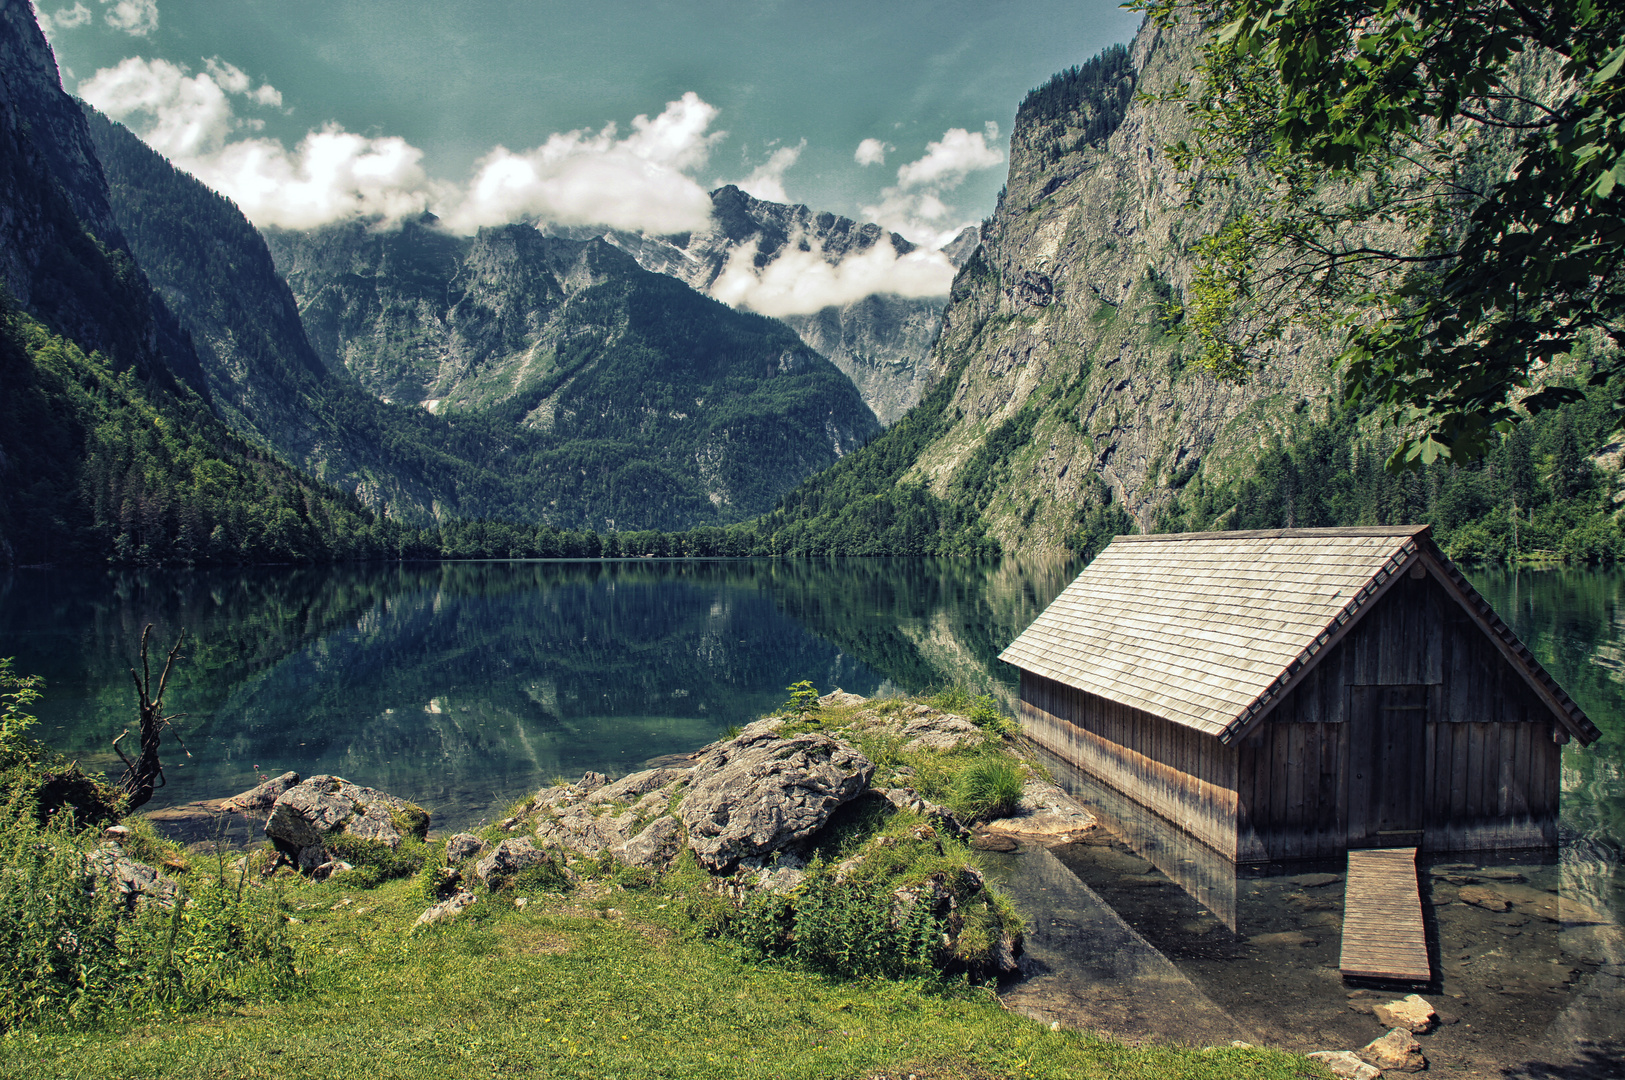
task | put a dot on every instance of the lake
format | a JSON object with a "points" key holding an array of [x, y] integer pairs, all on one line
{"points": [[465, 685]]}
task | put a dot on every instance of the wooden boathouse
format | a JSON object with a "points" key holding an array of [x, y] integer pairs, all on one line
{"points": [[1296, 693]]}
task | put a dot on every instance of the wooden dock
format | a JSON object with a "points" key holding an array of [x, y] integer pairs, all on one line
{"points": [[1383, 935]]}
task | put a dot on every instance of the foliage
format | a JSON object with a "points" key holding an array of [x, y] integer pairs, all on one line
{"points": [[1537, 494], [75, 958], [1487, 131], [17, 692], [33, 774], [990, 787], [375, 861], [1096, 92], [803, 698]]}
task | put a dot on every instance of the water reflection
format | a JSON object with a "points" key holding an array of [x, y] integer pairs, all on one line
{"points": [[466, 684]]}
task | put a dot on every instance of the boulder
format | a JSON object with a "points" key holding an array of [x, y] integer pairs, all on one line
{"points": [[446, 909], [1397, 1051], [1345, 1065], [839, 697], [1044, 812], [1410, 1012], [758, 792], [655, 847], [304, 817], [462, 846], [637, 785], [264, 796], [508, 858], [942, 732], [133, 882]]}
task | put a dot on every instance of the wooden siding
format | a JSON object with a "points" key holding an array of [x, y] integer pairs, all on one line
{"points": [[1183, 775], [1489, 765]]}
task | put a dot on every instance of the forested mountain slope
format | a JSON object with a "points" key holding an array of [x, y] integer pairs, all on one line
{"points": [[1066, 407]]}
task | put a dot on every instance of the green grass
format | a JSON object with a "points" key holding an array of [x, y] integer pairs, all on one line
{"points": [[558, 989]]}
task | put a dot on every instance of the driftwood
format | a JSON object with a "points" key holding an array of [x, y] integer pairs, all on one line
{"points": [[146, 773]]}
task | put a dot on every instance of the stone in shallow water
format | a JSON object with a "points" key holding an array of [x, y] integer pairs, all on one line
{"points": [[1411, 1012], [1283, 938], [1314, 881], [1345, 1065], [1397, 1051]]}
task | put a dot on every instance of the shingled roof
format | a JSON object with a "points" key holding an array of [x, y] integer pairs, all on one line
{"points": [[1209, 630]]}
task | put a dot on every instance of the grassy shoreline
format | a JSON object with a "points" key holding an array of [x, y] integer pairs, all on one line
{"points": [[608, 979]]}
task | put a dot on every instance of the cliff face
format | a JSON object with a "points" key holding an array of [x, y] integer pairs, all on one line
{"points": [[881, 342], [1058, 325], [62, 255]]}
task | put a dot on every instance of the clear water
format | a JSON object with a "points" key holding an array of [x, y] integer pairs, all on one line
{"points": [[465, 685]]}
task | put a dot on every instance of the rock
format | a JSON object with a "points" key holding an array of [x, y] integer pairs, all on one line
{"points": [[1286, 938], [942, 732], [783, 874], [1045, 812], [637, 785], [655, 847], [841, 697], [1314, 881], [1505, 895], [448, 908], [133, 882], [1397, 1051], [939, 817], [591, 781], [263, 796], [118, 834], [1411, 1012], [758, 792], [1345, 1065], [462, 846], [1485, 897], [328, 869], [304, 816], [1500, 875], [577, 829], [994, 842], [508, 858]]}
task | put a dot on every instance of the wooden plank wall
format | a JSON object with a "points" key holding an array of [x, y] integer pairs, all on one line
{"points": [[1180, 774], [1491, 767]]}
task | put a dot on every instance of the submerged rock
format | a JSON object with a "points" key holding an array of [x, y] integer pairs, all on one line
{"points": [[759, 792]]}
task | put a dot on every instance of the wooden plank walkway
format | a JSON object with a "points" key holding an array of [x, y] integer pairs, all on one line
{"points": [[1383, 935]]}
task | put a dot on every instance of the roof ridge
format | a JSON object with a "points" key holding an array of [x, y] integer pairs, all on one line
{"points": [[1281, 534]]}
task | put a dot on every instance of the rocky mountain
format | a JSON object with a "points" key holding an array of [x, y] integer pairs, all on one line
{"points": [[880, 341], [1060, 398]]}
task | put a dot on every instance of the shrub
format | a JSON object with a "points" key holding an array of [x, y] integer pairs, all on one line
{"points": [[803, 698], [73, 956], [989, 787], [850, 929], [46, 781], [375, 861]]}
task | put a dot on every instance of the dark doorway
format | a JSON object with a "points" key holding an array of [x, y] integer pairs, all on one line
{"points": [[1387, 747]]}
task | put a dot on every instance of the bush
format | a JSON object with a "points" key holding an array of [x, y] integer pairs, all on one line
{"points": [[73, 956], [45, 780], [989, 788], [375, 861]]}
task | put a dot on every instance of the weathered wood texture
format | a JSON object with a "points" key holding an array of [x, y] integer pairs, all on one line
{"points": [[1383, 933], [1413, 722], [1185, 776]]}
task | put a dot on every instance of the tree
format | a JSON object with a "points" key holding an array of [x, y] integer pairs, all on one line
{"points": [[1492, 132], [146, 773]]}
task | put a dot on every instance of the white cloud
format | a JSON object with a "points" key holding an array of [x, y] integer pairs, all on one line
{"points": [[872, 152], [800, 282], [914, 208], [64, 19], [581, 178], [766, 182], [953, 157], [137, 17], [191, 119]]}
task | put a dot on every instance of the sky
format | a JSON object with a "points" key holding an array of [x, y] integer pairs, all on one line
{"points": [[621, 113]]}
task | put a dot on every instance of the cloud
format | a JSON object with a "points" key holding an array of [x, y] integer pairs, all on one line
{"points": [[638, 182], [191, 120], [64, 19], [872, 152], [953, 157], [137, 17], [583, 178], [914, 207], [767, 181], [800, 282]]}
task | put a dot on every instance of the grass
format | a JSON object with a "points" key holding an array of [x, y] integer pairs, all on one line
{"points": [[558, 989]]}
